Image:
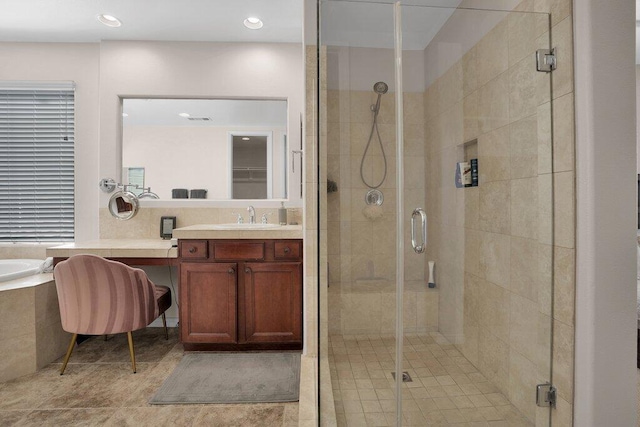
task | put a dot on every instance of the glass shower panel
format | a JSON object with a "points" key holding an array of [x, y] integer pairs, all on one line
{"points": [[478, 331], [474, 318], [357, 47]]}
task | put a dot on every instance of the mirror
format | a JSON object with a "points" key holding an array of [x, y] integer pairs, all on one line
{"points": [[218, 149], [123, 205]]}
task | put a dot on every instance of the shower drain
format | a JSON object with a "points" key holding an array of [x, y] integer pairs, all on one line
{"points": [[406, 378]]}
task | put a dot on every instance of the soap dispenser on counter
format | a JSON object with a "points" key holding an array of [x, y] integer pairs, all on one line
{"points": [[282, 214]]}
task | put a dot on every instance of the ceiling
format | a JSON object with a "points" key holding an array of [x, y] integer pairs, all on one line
{"points": [[358, 23], [345, 23], [163, 20]]}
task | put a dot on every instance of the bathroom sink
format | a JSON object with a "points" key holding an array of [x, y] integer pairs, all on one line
{"points": [[235, 226]]}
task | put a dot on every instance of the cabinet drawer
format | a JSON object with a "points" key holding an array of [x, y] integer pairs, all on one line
{"points": [[287, 250], [194, 249], [238, 250]]}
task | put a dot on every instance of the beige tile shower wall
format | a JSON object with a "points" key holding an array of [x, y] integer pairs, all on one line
{"points": [[494, 244], [361, 249]]}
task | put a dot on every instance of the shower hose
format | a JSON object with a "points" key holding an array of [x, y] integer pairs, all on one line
{"points": [[374, 129]]}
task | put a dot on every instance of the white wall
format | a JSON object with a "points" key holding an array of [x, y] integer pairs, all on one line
{"points": [[78, 63], [605, 350], [103, 72], [205, 70]]}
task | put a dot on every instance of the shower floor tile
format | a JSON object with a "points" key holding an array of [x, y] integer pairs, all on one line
{"points": [[447, 390]]}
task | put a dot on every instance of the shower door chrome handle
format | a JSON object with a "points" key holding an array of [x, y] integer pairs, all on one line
{"points": [[419, 248]]}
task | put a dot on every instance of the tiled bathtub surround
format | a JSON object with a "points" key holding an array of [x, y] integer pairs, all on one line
{"points": [[30, 327], [26, 251]]}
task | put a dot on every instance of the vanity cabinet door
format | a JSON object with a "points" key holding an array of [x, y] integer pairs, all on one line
{"points": [[271, 310], [208, 309]]}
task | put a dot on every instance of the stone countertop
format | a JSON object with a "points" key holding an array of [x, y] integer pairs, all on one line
{"points": [[210, 231], [117, 248]]}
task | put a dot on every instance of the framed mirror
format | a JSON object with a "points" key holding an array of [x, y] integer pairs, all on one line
{"points": [[221, 149]]}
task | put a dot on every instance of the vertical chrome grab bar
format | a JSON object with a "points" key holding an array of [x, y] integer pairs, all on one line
{"points": [[419, 248]]}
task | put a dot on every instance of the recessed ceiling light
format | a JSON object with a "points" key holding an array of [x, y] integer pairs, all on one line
{"points": [[184, 115], [246, 138], [253, 23], [109, 20], [125, 115]]}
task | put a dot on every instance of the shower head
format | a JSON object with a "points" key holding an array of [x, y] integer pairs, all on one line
{"points": [[380, 88]]}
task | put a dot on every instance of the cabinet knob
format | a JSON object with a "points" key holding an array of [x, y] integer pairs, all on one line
{"points": [[247, 270], [287, 250], [231, 271], [192, 250]]}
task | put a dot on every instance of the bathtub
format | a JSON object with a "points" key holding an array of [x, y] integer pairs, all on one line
{"points": [[11, 269]]}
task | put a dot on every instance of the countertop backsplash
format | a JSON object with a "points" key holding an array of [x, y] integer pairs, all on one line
{"points": [[146, 224]]}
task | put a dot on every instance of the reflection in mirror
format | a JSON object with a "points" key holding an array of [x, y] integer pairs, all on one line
{"points": [[123, 205], [250, 165], [134, 176], [197, 144]]}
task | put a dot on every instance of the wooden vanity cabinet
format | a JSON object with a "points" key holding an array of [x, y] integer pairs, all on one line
{"points": [[272, 302], [240, 294], [208, 295]]}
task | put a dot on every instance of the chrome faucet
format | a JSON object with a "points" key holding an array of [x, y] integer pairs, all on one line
{"points": [[252, 214]]}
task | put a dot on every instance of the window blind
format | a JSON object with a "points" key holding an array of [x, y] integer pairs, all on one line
{"points": [[37, 163]]}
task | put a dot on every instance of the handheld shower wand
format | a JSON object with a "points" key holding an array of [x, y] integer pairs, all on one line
{"points": [[380, 88]]}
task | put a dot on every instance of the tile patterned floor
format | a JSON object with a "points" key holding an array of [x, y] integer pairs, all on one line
{"points": [[447, 390], [99, 389]]}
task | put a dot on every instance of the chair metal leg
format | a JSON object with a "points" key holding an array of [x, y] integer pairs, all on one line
{"points": [[69, 350], [133, 355], [164, 323]]}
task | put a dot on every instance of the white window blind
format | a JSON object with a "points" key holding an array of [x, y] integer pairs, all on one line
{"points": [[37, 162]]}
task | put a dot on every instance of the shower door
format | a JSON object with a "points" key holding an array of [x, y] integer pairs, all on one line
{"points": [[438, 306]]}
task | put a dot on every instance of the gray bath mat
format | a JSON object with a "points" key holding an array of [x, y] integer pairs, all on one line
{"points": [[232, 378]]}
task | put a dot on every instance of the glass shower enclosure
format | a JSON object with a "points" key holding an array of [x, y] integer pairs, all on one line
{"points": [[436, 223]]}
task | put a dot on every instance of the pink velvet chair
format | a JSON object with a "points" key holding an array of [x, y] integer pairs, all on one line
{"points": [[101, 297]]}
